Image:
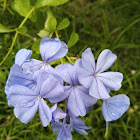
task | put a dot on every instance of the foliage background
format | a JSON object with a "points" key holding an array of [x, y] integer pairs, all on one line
{"points": [[101, 24]]}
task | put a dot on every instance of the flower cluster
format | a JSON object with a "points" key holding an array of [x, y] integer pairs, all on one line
{"points": [[32, 83]]}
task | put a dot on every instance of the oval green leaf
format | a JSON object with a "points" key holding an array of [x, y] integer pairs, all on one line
{"points": [[42, 3], [4, 29], [22, 7], [63, 24], [73, 39]]}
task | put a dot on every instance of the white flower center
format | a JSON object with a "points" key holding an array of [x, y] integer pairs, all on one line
{"points": [[95, 75], [39, 97]]}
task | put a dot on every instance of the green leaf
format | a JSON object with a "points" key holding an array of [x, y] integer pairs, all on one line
{"points": [[51, 21], [2, 76], [43, 33], [22, 30], [49, 15], [22, 7], [35, 46], [64, 24], [42, 3], [52, 24], [73, 39], [4, 29]]}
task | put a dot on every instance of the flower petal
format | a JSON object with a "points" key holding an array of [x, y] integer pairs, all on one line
{"points": [[56, 126], [45, 113], [40, 77], [85, 78], [66, 72], [64, 134], [88, 61], [32, 66], [16, 76], [58, 114], [54, 91], [52, 49], [48, 68], [98, 90], [111, 80], [22, 55], [105, 60], [114, 107], [79, 125], [76, 104], [84, 92], [19, 95], [26, 114], [77, 67], [53, 108]]}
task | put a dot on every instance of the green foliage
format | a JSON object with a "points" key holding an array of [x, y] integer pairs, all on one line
{"points": [[44, 32], [101, 25], [22, 30], [73, 39], [35, 46], [63, 24], [4, 29], [22, 7], [42, 3], [52, 22]]}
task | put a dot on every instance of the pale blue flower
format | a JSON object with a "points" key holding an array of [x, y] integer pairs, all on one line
{"points": [[63, 131], [27, 101], [78, 125], [78, 98], [92, 76], [114, 107], [51, 49]]}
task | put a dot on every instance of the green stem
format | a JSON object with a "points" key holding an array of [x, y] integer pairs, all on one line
{"points": [[12, 45], [16, 35], [69, 60], [30, 12], [106, 132], [56, 34]]}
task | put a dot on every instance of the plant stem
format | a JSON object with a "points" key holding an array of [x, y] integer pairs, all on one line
{"points": [[66, 101], [56, 34], [16, 35], [12, 45], [30, 12], [69, 60], [107, 126]]}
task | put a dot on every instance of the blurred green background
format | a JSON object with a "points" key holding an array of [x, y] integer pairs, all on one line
{"points": [[101, 24]]}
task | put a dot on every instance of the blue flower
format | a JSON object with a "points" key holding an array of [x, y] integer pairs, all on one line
{"points": [[92, 76], [114, 107], [51, 50], [78, 125], [63, 131], [27, 101], [78, 98]]}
